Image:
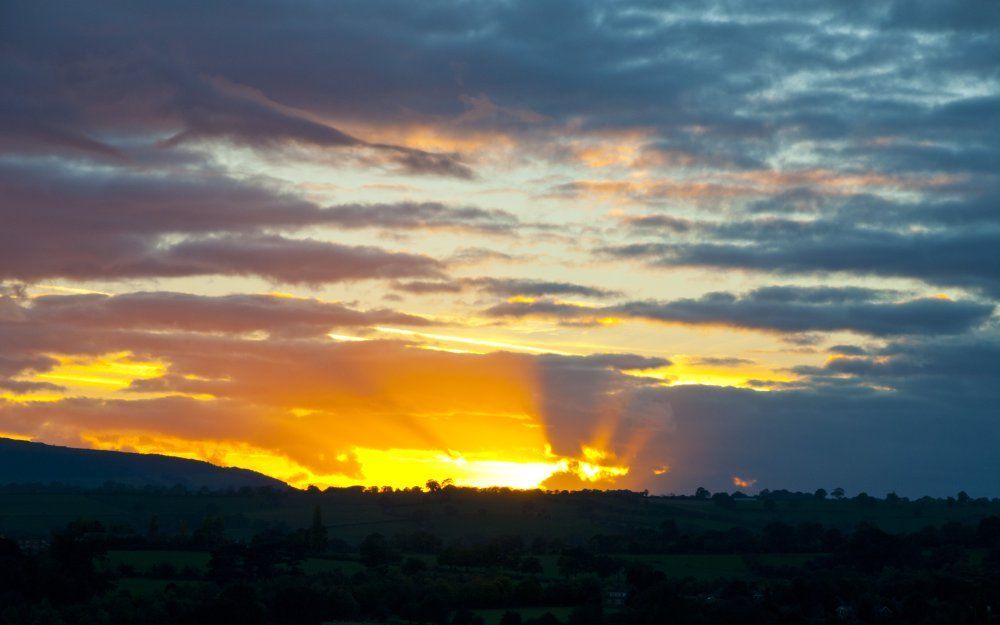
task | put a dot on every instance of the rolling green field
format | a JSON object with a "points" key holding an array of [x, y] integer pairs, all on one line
{"points": [[143, 561]]}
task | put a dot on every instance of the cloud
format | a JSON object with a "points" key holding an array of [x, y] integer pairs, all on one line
{"points": [[118, 227], [169, 97], [835, 428], [183, 312], [658, 222], [295, 261], [850, 140], [711, 87], [717, 361], [960, 257], [951, 365], [505, 287], [783, 309], [311, 399], [426, 215], [873, 315], [914, 441]]}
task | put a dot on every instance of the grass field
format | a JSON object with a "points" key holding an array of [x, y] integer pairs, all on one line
{"points": [[144, 561], [699, 566], [149, 586], [711, 566]]}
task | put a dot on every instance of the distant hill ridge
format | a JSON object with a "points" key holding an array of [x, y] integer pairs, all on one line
{"points": [[23, 462]]}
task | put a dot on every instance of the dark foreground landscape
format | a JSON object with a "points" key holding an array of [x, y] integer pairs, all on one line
{"points": [[122, 554]]}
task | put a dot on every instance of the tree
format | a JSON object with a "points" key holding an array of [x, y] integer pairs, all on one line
{"points": [[210, 534], [74, 576], [375, 550], [510, 618], [702, 493], [722, 499], [989, 530], [531, 565], [153, 530], [838, 493], [820, 493], [317, 532]]}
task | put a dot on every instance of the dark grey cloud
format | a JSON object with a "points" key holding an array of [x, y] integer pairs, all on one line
{"points": [[195, 202], [505, 287], [659, 223], [183, 312], [475, 255], [847, 350], [422, 215], [294, 261], [276, 258], [874, 315], [711, 86], [848, 436], [784, 309], [958, 257], [115, 226], [617, 362], [108, 73], [423, 287], [721, 361], [509, 287], [952, 366]]}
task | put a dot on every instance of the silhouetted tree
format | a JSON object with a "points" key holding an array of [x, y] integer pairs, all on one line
{"points": [[510, 618], [531, 565], [317, 531], [375, 550]]}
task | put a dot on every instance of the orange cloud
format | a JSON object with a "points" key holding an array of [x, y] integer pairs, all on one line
{"points": [[228, 387]]}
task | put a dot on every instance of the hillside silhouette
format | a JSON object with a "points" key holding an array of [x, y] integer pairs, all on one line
{"points": [[24, 462]]}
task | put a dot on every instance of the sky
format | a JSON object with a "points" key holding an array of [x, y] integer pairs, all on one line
{"points": [[526, 243]]}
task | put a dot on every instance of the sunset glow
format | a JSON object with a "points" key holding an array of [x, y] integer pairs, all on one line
{"points": [[505, 244]]}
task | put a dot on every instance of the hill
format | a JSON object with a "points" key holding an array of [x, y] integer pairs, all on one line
{"points": [[23, 462]]}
